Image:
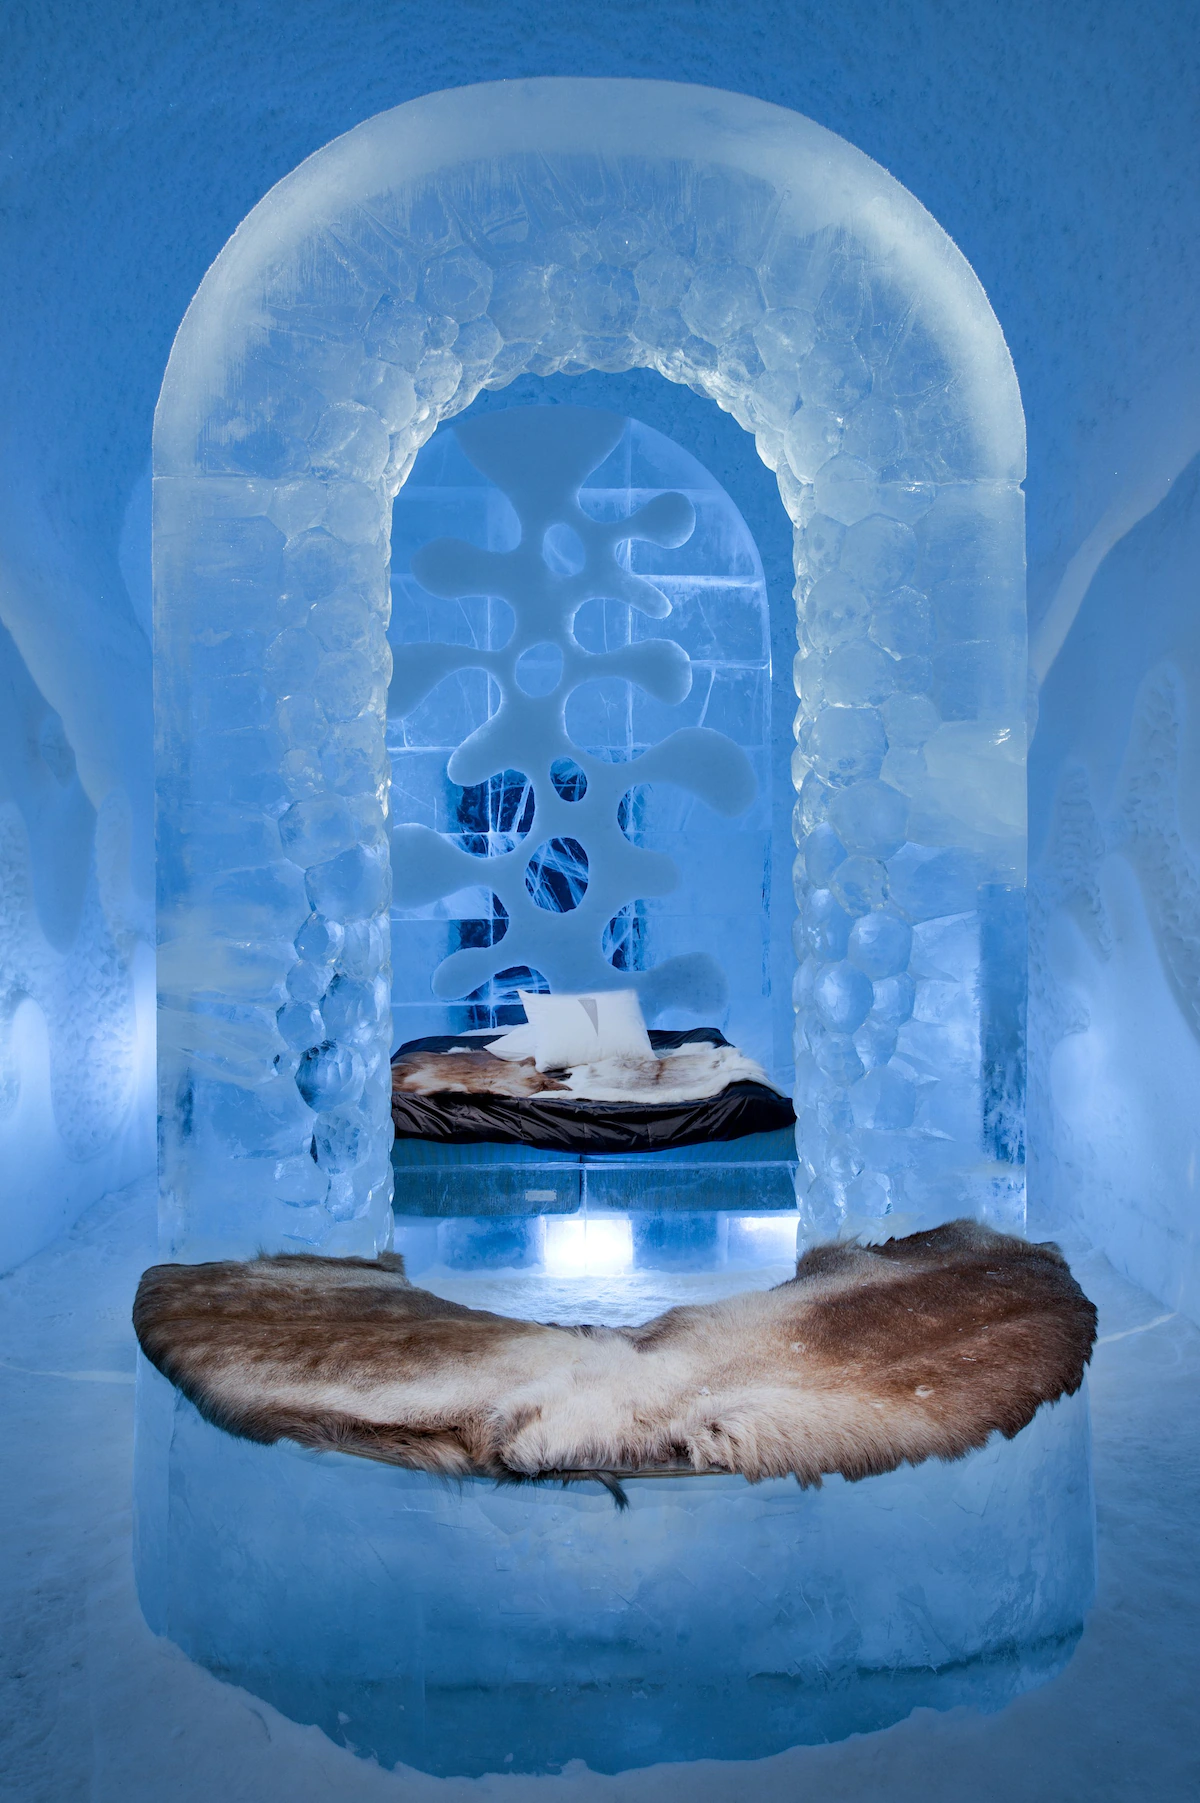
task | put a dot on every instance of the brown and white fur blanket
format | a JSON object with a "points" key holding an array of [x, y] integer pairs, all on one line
{"points": [[688, 1073], [868, 1357], [467, 1072]]}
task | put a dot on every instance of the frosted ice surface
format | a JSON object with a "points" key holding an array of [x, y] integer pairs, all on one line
{"points": [[618, 1299], [325, 347], [457, 1625], [441, 249], [72, 1072], [1114, 933], [598, 1265]]}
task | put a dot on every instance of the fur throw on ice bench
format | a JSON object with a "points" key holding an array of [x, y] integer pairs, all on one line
{"points": [[868, 1357]]}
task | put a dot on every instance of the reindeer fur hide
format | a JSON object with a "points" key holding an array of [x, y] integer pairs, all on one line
{"points": [[688, 1073], [868, 1357], [469, 1073]]}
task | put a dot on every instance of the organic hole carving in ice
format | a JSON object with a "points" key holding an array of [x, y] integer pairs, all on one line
{"points": [[560, 900], [568, 779], [556, 876]]}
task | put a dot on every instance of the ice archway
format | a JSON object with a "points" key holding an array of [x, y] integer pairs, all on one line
{"points": [[549, 225]]}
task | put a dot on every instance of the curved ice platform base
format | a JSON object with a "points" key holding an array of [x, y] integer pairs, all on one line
{"points": [[464, 1629]]}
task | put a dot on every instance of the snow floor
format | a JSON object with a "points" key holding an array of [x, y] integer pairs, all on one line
{"points": [[95, 1708]]}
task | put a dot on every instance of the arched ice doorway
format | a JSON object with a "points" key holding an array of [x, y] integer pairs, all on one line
{"points": [[562, 225]]}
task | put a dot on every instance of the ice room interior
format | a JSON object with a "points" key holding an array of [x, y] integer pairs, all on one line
{"points": [[600, 901]]}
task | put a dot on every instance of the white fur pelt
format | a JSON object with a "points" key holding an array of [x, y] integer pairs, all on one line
{"points": [[868, 1357], [692, 1073]]}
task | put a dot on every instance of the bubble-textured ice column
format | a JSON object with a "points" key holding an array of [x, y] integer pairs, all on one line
{"points": [[567, 225]]}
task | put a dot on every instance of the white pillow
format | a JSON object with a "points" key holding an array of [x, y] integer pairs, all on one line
{"points": [[520, 1043], [581, 1029]]}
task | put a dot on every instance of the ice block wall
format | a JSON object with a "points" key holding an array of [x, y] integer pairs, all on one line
{"points": [[562, 225], [910, 764]]}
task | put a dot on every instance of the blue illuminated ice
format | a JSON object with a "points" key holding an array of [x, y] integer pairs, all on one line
{"points": [[624, 763], [839, 327], [539, 457], [446, 248], [76, 977], [468, 1629]]}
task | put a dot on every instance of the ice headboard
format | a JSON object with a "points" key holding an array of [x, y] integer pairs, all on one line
{"points": [[570, 753]]}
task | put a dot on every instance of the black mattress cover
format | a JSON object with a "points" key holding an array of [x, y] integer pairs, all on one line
{"points": [[591, 1127]]}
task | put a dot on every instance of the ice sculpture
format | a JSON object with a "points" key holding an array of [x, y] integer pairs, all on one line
{"points": [[446, 247], [571, 797], [443, 248], [713, 925], [729, 902]]}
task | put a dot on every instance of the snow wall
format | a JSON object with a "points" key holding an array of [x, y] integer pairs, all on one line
{"points": [[1064, 164]]}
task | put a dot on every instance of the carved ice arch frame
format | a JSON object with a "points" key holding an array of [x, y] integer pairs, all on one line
{"points": [[456, 242]]}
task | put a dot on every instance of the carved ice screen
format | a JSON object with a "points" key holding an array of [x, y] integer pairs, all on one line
{"points": [[624, 659]]}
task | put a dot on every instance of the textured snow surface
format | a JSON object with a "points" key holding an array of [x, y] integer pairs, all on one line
{"points": [[95, 1707], [1115, 911], [76, 979]]}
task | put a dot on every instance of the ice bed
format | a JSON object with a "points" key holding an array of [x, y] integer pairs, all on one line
{"points": [[484, 1154]]}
